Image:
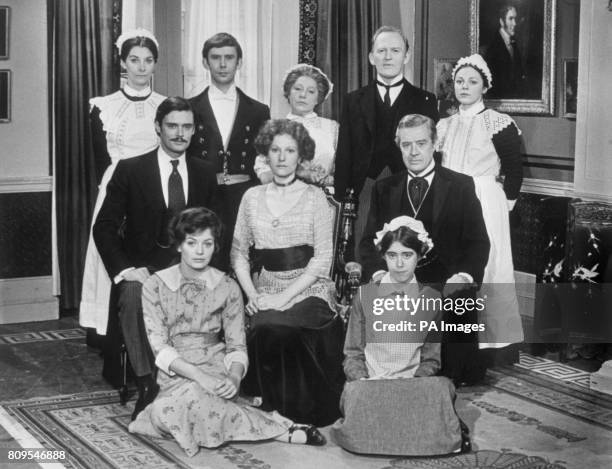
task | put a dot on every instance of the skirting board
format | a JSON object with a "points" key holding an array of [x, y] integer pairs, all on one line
{"points": [[525, 291], [27, 299]]}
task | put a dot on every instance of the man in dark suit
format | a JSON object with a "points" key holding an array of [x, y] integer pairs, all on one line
{"points": [[446, 203], [131, 229], [504, 58], [227, 122], [369, 119]]}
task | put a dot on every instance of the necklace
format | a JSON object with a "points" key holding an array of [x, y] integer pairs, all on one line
{"points": [[284, 184]]}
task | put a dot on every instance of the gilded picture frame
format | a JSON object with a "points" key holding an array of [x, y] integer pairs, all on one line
{"points": [[517, 39]]}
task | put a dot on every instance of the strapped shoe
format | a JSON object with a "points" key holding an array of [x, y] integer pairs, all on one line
{"points": [[313, 436]]}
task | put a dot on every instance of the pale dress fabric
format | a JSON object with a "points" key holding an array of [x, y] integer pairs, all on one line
{"points": [[392, 403], [183, 318], [308, 222], [324, 132], [130, 131], [465, 142]]}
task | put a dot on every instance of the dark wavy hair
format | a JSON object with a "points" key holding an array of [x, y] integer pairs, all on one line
{"points": [[138, 41], [407, 237], [322, 82], [274, 127], [221, 40], [195, 220], [169, 105]]}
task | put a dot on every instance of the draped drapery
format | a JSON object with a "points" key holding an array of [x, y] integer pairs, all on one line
{"points": [[344, 29], [265, 30], [82, 66]]}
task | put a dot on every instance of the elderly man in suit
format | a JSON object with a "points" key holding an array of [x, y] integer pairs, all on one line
{"points": [[131, 229], [369, 119], [446, 203], [227, 122]]}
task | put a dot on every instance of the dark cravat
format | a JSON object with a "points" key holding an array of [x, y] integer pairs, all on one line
{"points": [[176, 195], [387, 98], [417, 188]]}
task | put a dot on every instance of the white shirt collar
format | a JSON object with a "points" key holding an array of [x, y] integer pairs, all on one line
{"points": [[472, 110], [397, 79], [216, 94], [430, 166], [162, 155], [505, 36], [146, 91]]}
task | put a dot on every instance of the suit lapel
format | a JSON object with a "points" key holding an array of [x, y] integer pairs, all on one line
{"points": [[151, 180], [368, 106], [396, 193], [242, 114], [210, 121], [194, 183], [440, 188]]}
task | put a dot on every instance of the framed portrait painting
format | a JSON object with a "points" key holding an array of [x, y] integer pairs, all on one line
{"points": [[570, 88], [517, 40], [5, 96], [4, 32]]}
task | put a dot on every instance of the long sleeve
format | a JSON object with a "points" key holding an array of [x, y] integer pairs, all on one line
{"points": [[320, 264], [109, 220], [233, 328], [243, 237], [98, 140], [507, 143], [156, 326], [354, 362]]}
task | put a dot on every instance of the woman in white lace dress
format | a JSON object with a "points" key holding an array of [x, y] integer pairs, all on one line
{"points": [[485, 144], [306, 87], [122, 127]]}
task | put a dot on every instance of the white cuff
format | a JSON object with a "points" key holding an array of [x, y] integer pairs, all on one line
{"points": [[121, 275], [165, 358], [511, 204], [237, 356]]}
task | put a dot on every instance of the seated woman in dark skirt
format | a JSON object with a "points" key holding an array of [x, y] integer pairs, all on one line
{"points": [[284, 233], [393, 403]]}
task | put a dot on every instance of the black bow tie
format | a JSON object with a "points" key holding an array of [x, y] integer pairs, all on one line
{"points": [[417, 188], [387, 98]]}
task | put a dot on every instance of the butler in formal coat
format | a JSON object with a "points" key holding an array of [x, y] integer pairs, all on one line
{"points": [[369, 118], [504, 59], [446, 203], [131, 229], [227, 122]]}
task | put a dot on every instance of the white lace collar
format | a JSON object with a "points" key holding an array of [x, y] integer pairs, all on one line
{"points": [[472, 110], [173, 278]]}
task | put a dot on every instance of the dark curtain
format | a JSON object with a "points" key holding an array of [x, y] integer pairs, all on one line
{"points": [[82, 66], [344, 31]]}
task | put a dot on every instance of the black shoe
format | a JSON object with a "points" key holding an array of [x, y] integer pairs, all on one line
{"points": [[146, 395], [313, 436], [466, 444]]}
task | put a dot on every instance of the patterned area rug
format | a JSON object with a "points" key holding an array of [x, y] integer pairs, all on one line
{"points": [[525, 417]]}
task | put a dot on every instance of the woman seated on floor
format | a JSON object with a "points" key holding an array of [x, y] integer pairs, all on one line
{"points": [[284, 233], [393, 403], [186, 308]]}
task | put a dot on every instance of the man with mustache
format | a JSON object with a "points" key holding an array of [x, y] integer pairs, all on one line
{"points": [[227, 122], [131, 232]]}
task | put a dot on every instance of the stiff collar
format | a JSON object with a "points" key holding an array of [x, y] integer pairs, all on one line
{"points": [[505, 36], [474, 109], [163, 156], [295, 117], [430, 167], [216, 94], [131, 92], [397, 79]]}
